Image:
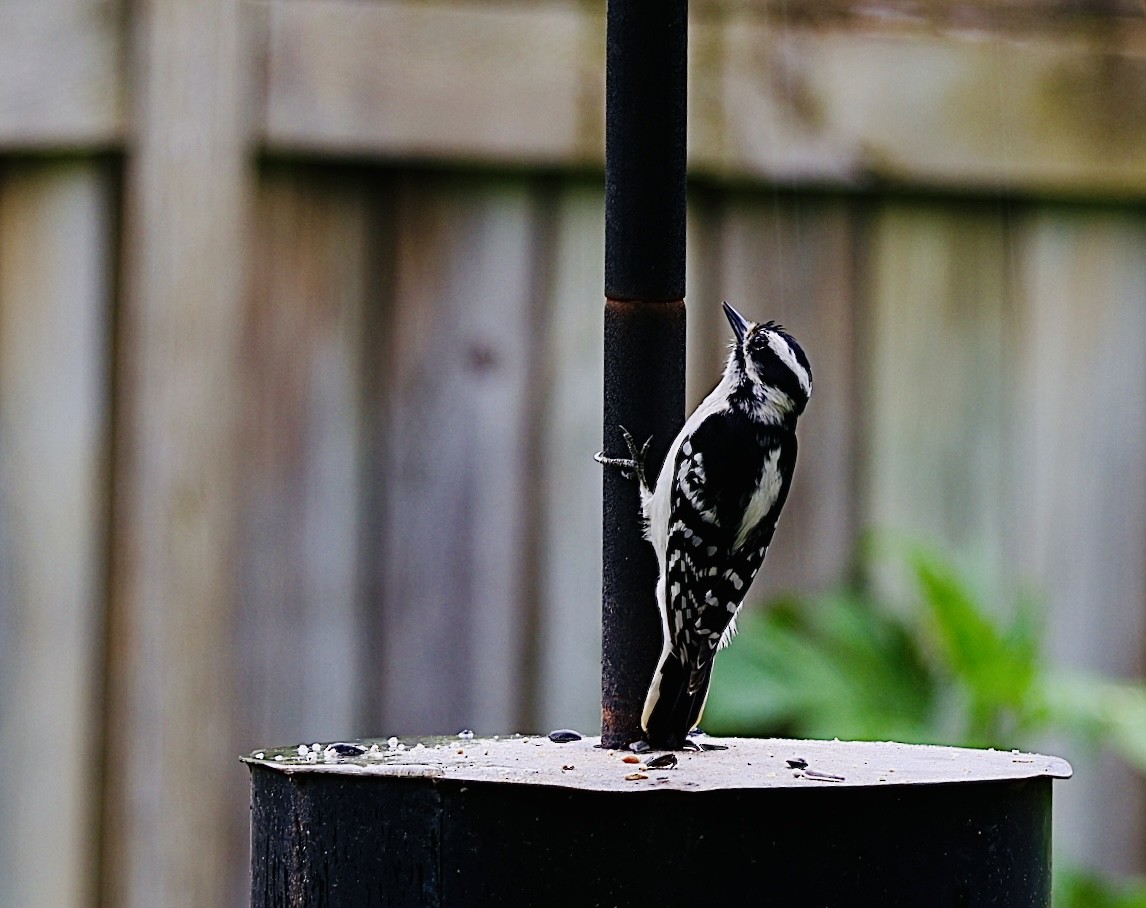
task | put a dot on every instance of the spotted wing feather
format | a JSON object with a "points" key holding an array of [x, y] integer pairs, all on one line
{"points": [[708, 574]]}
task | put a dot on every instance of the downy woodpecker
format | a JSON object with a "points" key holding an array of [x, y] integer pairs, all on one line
{"points": [[713, 511]]}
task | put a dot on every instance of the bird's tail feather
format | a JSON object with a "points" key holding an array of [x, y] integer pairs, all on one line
{"points": [[675, 701]]}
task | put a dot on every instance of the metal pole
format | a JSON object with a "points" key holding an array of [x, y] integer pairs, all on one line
{"points": [[646, 82]]}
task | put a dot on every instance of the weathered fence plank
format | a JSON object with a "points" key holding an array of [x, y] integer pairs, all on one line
{"points": [[1037, 110], [416, 79], [569, 640], [1005, 364], [845, 100], [301, 471], [60, 81], [1079, 387], [55, 290], [936, 366], [832, 95], [171, 836], [453, 461]]}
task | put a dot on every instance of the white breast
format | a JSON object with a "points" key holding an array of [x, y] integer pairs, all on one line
{"points": [[658, 505], [763, 498]]}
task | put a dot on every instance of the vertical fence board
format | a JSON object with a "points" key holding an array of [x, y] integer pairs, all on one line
{"points": [[300, 470], [570, 512], [789, 259], [936, 373], [54, 295], [175, 797], [1081, 400], [454, 459], [1007, 389]]}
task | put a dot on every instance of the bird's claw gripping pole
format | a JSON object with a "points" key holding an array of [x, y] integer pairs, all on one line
{"points": [[632, 466]]}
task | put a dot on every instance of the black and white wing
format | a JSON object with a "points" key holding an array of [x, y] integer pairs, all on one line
{"points": [[730, 482]]}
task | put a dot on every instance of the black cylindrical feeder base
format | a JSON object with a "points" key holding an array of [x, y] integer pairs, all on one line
{"points": [[526, 821]]}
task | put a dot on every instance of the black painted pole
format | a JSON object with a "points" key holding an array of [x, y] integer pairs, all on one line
{"points": [[646, 82]]}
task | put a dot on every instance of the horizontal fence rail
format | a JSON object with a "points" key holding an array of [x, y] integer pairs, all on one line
{"points": [[1028, 97]]}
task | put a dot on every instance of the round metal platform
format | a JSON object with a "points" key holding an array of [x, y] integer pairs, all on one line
{"points": [[526, 821]]}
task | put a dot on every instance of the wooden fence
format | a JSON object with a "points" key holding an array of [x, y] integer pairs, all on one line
{"points": [[300, 359]]}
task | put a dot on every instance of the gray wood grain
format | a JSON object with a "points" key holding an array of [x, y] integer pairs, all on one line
{"points": [[300, 460], [936, 393], [452, 461], [60, 82], [960, 96], [171, 837], [569, 518], [1079, 386], [55, 294]]}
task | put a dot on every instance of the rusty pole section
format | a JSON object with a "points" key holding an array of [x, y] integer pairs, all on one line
{"points": [[646, 72]]}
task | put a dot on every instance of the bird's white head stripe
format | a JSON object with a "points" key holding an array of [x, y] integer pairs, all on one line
{"points": [[783, 350]]}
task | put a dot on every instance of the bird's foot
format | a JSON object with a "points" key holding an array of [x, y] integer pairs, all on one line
{"points": [[632, 466]]}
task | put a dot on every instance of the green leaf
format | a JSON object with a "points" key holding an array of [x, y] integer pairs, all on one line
{"points": [[1076, 889], [825, 667], [995, 668], [1100, 711]]}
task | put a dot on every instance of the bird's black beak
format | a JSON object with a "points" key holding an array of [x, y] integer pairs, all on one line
{"points": [[737, 321]]}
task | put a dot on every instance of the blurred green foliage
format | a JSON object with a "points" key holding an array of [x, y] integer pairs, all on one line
{"points": [[939, 662], [1085, 890]]}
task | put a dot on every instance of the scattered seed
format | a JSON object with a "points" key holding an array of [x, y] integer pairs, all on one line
{"points": [[567, 767], [564, 736], [635, 777], [707, 746], [817, 776], [630, 759], [465, 734], [344, 750], [798, 763], [664, 761]]}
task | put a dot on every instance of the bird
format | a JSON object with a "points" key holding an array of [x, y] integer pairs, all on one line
{"points": [[712, 512]]}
